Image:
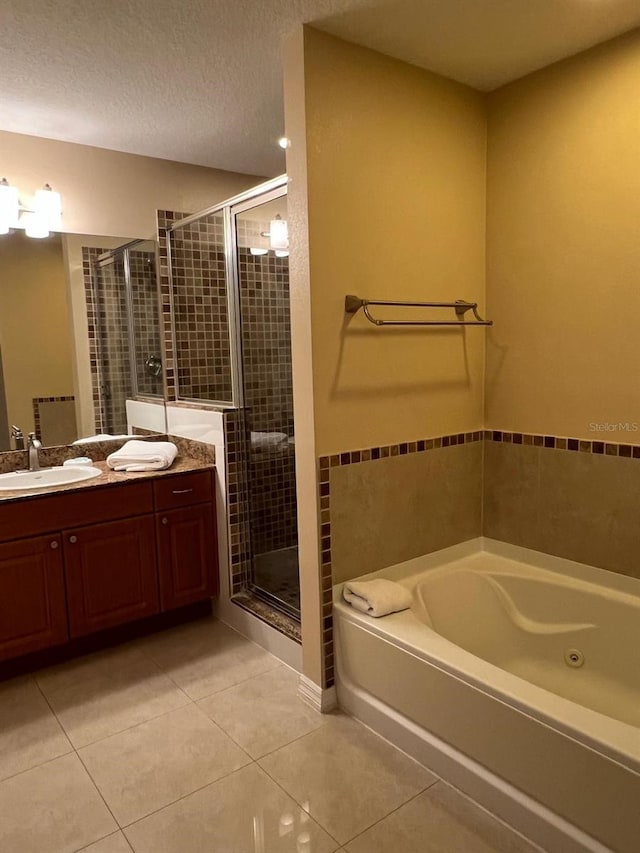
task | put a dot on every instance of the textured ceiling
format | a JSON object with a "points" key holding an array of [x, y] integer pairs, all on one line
{"points": [[199, 81]]}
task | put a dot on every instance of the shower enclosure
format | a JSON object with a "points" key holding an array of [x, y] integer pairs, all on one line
{"points": [[232, 343], [123, 306]]}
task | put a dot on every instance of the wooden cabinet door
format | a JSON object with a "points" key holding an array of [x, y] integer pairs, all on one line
{"points": [[111, 574], [187, 555], [33, 612]]}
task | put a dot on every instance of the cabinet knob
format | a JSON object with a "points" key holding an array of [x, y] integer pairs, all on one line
{"points": [[73, 539], [54, 544], [165, 520]]}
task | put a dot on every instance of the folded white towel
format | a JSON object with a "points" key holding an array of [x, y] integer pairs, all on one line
{"points": [[377, 597], [262, 440], [103, 436], [143, 456]]}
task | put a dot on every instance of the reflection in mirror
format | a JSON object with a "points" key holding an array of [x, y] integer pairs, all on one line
{"points": [[77, 339], [126, 336], [200, 301]]}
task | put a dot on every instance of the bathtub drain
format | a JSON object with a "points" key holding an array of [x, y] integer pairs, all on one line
{"points": [[574, 657]]}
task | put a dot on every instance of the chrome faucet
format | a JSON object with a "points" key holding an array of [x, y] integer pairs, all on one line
{"points": [[18, 438], [33, 445]]}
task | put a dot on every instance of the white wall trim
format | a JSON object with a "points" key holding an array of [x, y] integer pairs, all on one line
{"points": [[321, 700], [522, 813]]}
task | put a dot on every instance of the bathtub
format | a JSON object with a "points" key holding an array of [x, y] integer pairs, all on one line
{"points": [[516, 677]]}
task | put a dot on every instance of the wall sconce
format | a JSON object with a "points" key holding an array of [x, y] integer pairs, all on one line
{"points": [[278, 235], [45, 216]]}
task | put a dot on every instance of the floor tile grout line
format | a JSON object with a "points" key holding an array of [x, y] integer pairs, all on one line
{"points": [[298, 803], [135, 725], [393, 811], [235, 684], [91, 779], [188, 701], [38, 766], [243, 681], [102, 797], [289, 743], [104, 838], [185, 796], [160, 672]]}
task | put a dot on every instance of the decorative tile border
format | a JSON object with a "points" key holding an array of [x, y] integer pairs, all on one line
{"points": [[354, 457], [164, 219], [553, 442], [237, 500], [36, 409], [326, 463]]}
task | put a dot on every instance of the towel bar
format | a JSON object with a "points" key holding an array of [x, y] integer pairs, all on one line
{"points": [[352, 304]]}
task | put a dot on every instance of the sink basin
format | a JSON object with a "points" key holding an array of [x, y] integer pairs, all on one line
{"points": [[46, 478]]}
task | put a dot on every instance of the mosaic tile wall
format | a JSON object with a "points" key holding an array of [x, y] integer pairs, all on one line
{"points": [[147, 340], [237, 501], [95, 318], [202, 358], [268, 388], [108, 331]]}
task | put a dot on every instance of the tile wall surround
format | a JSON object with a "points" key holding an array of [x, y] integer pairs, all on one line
{"points": [[268, 389], [574, 498], [36, 409], [194, 310], [144, 299], [108, 308], [353, 485], [237, 501]]}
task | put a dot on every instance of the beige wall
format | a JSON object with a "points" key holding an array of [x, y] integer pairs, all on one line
{"points": [[386, 199], [34, 325], [563, 247], [396, 197], [108, 192]]}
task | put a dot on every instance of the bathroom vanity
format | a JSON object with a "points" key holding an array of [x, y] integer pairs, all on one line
{"points": [[83, 559]]}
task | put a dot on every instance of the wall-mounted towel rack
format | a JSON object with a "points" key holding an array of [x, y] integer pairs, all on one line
{"points": [[353, 304]]}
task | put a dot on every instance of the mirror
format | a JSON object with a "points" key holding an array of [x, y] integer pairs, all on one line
{"points": [[79, 337]]}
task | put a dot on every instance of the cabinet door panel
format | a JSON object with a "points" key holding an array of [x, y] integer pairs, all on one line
{"points": [[33, 612], [187, 555], [111, 574]]}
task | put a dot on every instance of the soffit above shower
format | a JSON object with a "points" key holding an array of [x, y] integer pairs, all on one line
{"points": [[199, 81]]}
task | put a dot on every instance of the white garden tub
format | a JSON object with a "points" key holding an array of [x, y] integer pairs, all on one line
{"points": [[516, 676]]}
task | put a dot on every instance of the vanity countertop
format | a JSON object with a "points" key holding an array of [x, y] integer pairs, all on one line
{"points": [[181, 465]]}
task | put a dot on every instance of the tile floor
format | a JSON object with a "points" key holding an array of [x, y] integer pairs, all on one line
{"points": [[194, 740]]}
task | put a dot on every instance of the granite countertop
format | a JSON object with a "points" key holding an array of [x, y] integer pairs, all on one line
{"points": [[182, 465]]}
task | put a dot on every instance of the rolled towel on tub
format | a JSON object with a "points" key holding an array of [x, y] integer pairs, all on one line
{"points": [[143, 456], [377, 597]]}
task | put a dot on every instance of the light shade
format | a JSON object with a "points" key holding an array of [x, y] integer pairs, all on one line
{"points": [[47, 209], [278, 234], [9, 207], [34, 225]]}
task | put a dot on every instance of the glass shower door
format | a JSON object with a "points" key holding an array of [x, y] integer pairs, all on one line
{"points": [[267, 424]]}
